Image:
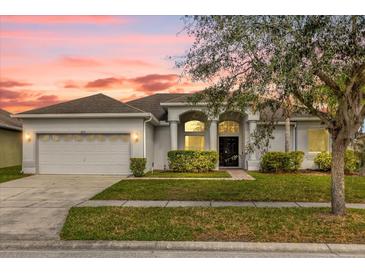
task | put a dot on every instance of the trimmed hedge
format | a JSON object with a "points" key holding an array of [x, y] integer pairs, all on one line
{"points": [[324, 160], [277, 161], [192, 161], [137, 166]]}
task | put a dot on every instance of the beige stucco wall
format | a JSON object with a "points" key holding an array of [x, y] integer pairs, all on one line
{"points": [[10, 148]]}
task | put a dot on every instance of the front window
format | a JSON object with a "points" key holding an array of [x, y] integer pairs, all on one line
{"points": [[318, 140], [194, 126], [194, 135], [194, 142], [228, 127]]}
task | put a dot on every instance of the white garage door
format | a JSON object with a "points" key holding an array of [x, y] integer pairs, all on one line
{"points": [[83, 154]]}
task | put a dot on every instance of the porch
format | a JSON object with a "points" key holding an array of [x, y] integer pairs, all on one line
{"points": [[228, 134]]}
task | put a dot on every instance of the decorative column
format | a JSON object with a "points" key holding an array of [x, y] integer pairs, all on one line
{"points": [[173, 135], [213, 131], [252, 128]]}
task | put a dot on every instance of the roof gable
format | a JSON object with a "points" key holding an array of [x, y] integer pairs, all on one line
{"points": [[152, 103], [98, 103], [6, 121]]}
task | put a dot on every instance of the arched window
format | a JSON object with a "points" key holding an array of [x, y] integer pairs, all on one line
{"points": [[194, 135], [194, 126], [228, 127]]}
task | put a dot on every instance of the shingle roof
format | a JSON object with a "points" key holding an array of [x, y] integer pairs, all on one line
{"points": [[98, 103], [8, 122], [183, 98], [152, 103]]}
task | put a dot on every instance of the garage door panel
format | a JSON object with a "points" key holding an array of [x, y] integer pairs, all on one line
{"points": [[78, 155]]}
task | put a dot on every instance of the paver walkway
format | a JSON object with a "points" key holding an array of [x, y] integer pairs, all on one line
{"points": [[239, 174], [143, 203]]}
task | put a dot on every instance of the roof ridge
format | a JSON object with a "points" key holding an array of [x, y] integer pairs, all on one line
{"points": [[176, 98], [61, 103], [134, 107]]}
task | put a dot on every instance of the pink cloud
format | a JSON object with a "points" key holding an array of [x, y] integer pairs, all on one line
{"points": [[16, 101], [104, 83], [53, 37], [84, 19], [13, 83], [155, 82], [133, 63], [147, 83], [70, 84], [78, 61]]}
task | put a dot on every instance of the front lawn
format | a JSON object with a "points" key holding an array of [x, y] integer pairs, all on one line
{"points": [[315, 225], [171, 174], [266, 187], [10, 173]]}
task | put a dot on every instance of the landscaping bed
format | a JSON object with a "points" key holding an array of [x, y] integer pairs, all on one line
{"points": [[266, 187], [11, 173], [171, 174], [309, 225]]}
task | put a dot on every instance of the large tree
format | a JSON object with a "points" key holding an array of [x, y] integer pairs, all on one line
{"points": [[316, 62]]}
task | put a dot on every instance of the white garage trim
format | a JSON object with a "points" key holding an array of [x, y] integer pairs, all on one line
{"points": [[91, 153]]}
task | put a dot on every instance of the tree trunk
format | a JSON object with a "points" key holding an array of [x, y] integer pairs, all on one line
{"points": [[287, 134], [338, 176], [362, 170]]}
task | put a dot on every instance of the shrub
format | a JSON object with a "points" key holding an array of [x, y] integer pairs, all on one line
{"points": [[192, 161], [137, 166], [324, 159], [276, 161], [352, 161]]}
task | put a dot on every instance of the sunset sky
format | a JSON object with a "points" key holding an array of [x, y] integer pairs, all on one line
{"points": [[49, 59]]}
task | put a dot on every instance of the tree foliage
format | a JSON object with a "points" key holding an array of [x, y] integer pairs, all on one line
{"points": [[314, 64]]}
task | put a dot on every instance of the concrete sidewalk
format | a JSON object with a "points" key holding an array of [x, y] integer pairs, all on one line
{"points": [[143, 203], [169, 248]]}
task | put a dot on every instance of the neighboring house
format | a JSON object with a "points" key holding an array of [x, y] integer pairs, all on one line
{"points": [[98, 135], [10, 140]]}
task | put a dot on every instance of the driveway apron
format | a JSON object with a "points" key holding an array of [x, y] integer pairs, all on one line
{"points": [[35, 207]]}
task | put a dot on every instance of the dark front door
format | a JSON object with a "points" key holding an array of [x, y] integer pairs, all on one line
{"points": [[228, 151]]}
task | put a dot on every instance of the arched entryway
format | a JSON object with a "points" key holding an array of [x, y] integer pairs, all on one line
{"points": [[231, 139]]}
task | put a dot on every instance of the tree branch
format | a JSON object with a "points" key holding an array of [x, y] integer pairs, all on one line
{"points": [[329, 82]]}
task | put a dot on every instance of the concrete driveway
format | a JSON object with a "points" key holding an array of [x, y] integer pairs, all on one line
{"points": [[35, 207]]}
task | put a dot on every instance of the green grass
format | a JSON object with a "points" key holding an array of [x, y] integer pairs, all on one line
{"points": [[170, 174], [314, 225], [266, 187], [10, 173]]}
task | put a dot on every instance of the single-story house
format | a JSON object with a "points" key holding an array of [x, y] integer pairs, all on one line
{"points": [[98, 135], [10, 140]]}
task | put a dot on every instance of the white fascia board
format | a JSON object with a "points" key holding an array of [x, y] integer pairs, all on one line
{"points": [[87, 115], [167, 104]]}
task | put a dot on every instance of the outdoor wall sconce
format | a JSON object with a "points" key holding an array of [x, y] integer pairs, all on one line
{"points": [[28, 137], [135, 137]]}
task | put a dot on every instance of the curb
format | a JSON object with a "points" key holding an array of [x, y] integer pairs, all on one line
{"points": [[185, 246]]}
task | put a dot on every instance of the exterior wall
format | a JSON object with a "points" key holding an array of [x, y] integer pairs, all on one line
{"points": [[10, 148], [150, 140], [87, 125], [161, 146], [299, 141], [302, 142], [278, 143]]}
